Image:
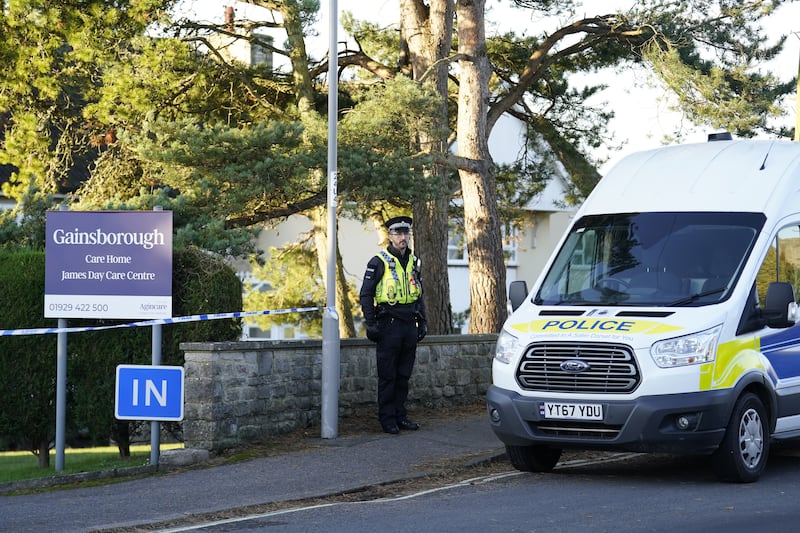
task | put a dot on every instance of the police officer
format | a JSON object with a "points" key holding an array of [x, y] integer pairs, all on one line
{"points": [[394, 313]]}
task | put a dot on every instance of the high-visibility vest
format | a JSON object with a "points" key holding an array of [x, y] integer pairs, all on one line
{"points": [[397, 286]]}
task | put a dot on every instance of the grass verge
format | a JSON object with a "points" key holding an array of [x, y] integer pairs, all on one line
{"points": [[19, 466]]}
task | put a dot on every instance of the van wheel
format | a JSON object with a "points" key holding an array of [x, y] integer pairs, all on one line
{"points": [[534, 458], [742, 455]]}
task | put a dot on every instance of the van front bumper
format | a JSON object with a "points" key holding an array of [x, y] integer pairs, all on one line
{"points": [[646, 424]]}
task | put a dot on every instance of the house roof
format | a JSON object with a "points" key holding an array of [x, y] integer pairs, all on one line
{"points": [[506, 142], [552, 197]]}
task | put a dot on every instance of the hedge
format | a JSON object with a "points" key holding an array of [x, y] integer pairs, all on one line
{"points": [[201, 283]]}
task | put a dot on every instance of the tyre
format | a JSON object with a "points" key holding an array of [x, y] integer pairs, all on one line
{"points": [[742, 455], [534, 458]]}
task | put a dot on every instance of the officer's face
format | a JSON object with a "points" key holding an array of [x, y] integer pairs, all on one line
{"points": [[399, 239]]}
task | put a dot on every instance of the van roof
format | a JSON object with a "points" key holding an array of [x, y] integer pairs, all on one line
{"points": [[743, 175]]}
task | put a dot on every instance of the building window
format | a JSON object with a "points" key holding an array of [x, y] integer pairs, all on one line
{"points": [[252, 331], [261, 55], [457, 244]]}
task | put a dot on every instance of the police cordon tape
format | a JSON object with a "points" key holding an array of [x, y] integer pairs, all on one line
{"points": [[174, 320]]}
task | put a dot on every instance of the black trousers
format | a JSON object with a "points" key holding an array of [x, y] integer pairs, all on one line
{"points": [[396, 353]]}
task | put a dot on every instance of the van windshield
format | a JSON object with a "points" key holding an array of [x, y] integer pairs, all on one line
{"points": [[651, 259]]}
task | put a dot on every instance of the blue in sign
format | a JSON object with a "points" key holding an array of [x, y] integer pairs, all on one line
{"points": [[149, 393]]}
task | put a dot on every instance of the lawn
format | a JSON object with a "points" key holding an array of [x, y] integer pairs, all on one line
{"points": [[16, 466]]}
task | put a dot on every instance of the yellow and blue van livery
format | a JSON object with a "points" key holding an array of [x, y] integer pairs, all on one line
{"points": [[782, 350], [665, 321]]}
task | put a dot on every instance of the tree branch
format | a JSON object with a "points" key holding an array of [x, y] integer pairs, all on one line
{"points": [[357, 58], [254, 92], [595, 29], [315, 200]]}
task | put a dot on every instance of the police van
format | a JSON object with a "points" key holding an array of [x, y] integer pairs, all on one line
{"points": [[665, 321]]}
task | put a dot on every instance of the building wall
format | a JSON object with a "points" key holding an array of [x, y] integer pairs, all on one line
{"points": [[357, 243], [536, 243], [240, 392], [230, 47]]}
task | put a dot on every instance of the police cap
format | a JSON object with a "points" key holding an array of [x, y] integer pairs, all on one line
{"points": [[401, 223]]}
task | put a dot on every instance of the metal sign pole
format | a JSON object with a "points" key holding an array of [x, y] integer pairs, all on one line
{"points": [[61, 396], [61, 390], [155, 426]]}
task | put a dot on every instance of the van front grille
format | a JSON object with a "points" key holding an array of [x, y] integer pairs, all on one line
{"points": [[578, 367], [577, 430]]}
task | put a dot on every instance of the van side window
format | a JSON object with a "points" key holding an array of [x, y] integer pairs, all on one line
{"points": [[782, 262]]}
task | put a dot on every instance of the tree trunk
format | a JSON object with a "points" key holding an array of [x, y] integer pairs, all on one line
{"points": [[44, 453], [121, 433], [343, 305], [426, 33], [296, 45], [481, 220]]}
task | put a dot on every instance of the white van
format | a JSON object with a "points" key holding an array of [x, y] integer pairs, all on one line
{"points": [[665, 319]]}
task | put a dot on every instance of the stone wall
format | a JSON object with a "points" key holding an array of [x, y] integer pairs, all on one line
{"points": [[239, 392]]}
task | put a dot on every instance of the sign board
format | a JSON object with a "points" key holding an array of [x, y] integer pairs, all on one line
{"points": [[108, 264], [145, 392]]}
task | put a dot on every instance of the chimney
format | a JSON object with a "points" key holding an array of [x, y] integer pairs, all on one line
{"points": [[229, 17]]}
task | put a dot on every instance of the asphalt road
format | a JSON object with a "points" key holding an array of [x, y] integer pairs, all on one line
{"points": [[441, 478], [632, 493]]}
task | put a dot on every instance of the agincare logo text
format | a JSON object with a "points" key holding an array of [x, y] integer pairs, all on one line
{"points": [[98, 237], [152, 307]]}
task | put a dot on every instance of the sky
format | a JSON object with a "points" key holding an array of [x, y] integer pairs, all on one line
{"points": [[643, 116]]}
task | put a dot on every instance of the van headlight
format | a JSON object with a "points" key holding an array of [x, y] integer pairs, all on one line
{"points": [[691, 349], [507, 347]]}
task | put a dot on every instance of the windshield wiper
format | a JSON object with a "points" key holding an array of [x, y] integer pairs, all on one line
{"points": [[691, 298]]}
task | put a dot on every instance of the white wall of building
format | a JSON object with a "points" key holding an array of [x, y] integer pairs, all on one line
{"points": [[357, 243]]}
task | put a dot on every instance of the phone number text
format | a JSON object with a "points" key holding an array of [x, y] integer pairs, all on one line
{"points": [[78, 307]]}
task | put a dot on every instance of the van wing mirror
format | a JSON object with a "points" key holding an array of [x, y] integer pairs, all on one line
{"points": [[517, 292], [780, 309]]}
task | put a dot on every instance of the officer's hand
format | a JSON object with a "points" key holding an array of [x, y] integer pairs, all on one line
{"points": [[373, 333], [422, 329]]}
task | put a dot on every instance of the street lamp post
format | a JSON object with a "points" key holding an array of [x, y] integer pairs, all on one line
{"points": [[330, 319]]}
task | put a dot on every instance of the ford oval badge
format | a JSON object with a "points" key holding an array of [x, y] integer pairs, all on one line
{"points": [[574, 366]]}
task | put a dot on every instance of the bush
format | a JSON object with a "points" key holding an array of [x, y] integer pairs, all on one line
{"points": [[27, 363]]}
